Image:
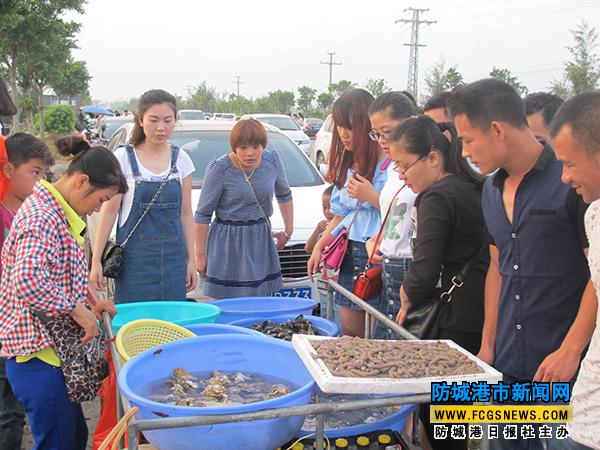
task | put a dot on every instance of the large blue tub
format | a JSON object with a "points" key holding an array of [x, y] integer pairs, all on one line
{"points": [[257, 354], [180, 313], [233, 309], [206, 329], [325, 327]]}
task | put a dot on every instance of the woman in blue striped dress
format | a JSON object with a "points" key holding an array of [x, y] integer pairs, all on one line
{"points": [[236, 253]]}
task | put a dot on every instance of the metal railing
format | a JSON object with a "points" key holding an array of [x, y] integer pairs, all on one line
{"points": [[316, 409]]}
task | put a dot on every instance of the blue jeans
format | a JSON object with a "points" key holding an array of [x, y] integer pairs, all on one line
{"points": [[394, 271], [56, 423], [12, 415]]}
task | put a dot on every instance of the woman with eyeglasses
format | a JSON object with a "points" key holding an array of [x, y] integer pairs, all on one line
{"points": [[447, 232], [394, 253], [358, 170]]}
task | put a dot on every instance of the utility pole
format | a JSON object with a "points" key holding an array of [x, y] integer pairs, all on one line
{"points": [[413, 62], [331, 64], [238, 82]]}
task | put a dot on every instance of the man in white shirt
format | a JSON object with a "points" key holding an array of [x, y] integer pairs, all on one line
{"points": [[575, 133]]}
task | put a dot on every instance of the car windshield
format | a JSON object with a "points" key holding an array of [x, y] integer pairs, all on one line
{"points": [[283, 123], [204, 146], [192, 115], [109, 128]]}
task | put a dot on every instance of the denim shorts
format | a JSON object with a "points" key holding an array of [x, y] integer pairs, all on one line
{"points": [[394, 271], [354, 263]]}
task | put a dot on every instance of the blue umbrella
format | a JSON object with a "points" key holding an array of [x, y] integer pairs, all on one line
{"points": [[92, 109]]}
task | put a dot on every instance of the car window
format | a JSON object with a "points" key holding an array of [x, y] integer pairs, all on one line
{"points": [[116, 140], [192, 115], [204, 146], [109, 128], [283, 123]]}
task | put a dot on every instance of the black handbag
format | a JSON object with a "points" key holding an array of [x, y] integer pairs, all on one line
{"points": [[422, 319], [112, 255]]}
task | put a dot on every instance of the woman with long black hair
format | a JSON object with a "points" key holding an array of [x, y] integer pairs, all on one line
{"points": [[357, 169], [448, 231]]}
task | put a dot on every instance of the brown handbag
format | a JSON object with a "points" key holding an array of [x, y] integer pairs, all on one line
{"points": [[368, 283]]}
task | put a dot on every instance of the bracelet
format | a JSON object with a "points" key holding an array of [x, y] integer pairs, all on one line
{"points": [[287, 235]]}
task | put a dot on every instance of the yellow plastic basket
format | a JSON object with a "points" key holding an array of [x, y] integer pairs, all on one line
{"points": [[140, 335]]}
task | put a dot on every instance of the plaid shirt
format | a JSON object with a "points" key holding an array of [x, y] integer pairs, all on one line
{"points": [[44, 269]]}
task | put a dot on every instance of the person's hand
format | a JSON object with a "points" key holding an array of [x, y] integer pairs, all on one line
{"points": [[97, 280], [559, 366], [323, 225], [190, 277], [201, 265], [404, 306], [100, 305], [377, 257], [86, 320], [360, 188], [282, 239], [312, 267], [486, 354]]}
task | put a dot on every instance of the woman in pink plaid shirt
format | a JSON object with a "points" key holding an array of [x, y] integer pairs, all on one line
{"points": [[45, 270]]}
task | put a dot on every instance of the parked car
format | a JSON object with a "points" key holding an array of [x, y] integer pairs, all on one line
{"points": [[207, 140], [288, 126], [312, 126], [320, 153], [191, 114], [108, 125]]}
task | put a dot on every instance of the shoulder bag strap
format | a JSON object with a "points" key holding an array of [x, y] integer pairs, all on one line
{"points": [[158, 192], [380, 234], [258, 203]]}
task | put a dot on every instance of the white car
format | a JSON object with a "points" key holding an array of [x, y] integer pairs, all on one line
{"points": [[288, 126], [207, 140], [320, 153], [191, 114]]}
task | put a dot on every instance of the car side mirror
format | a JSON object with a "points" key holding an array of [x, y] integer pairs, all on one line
{"points": [[323, 168]]}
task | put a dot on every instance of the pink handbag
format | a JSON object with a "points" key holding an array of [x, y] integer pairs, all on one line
{"points": [[333, 254]]}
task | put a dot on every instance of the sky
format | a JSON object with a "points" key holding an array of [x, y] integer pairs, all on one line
{"points": [[131, 46]]}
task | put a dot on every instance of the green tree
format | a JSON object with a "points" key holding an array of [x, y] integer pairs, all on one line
{"points": [[23, 25], [439, 79], [60, 119], [306, 96], [282, 101], [325, 100], [203, 97], [583, 72], [337, 89], [377, 86], [504, 74], [72, 80]]}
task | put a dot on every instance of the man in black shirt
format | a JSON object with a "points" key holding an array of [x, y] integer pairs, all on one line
{"points": [[539, 303]]}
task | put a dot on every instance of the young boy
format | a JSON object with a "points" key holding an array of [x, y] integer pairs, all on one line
{"points": [[24, 160]]}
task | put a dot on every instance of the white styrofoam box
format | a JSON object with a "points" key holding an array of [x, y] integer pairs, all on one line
{"points": [[331, 384]]}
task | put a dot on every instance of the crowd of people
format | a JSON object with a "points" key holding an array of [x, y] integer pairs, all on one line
{"points": [[479, 182]]}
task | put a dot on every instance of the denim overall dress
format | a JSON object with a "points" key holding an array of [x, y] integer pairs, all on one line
{"points": [[154, 259]]}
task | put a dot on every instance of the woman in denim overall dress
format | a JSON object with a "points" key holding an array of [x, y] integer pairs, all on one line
{"points": [[156, 258]]}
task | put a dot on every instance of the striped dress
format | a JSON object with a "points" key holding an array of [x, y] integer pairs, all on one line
{"points": [[242, 260]]}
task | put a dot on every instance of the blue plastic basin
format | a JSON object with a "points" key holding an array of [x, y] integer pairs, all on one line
{"points": [[206, 329], [180, 313], [233, 309], [325, 327], [395, 421], [256, 354]]}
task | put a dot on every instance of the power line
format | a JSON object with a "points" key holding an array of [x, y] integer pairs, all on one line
{"points": [[331, 64], [413, 62], [238, 82]]}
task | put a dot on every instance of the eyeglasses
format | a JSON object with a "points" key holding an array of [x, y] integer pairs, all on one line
{"points": [[375, 136], [410, 166]]}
